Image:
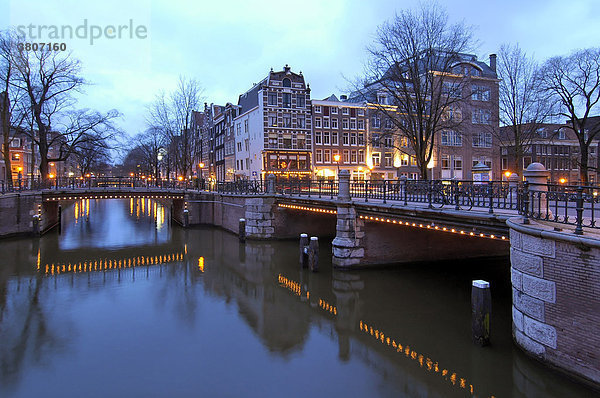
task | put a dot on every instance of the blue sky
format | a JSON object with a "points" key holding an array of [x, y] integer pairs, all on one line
{"points": [[228, 45]]}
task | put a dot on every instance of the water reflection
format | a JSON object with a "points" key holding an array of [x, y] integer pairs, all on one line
{"points": [[194, 312]]}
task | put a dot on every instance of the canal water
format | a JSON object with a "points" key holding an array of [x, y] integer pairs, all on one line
{"points": [[123, 304]]}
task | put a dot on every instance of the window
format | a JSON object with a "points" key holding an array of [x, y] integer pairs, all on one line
{"points": [[287, 142], [319, 156], [388, 159], [334, 138], [326, 123], [287, 82], [361, 112], [451, 138], [361, 138], [16, 156], [376, 158], [300, 142], [458, 163], [561, 134], [353, 156], [403, 142], [300, 121], [445, 162], [526, 161], [382, 99], [346, 156], [272, 98], [327, 156], [404, 160], [300, 101], [480, 116], [387, 141], [345, 124], [345, 139], [245, 126], [318, 138], [287, 100], [317, 109], [376, 122], [361, 156], [345, 111], [352, 138], [482, 139], [334, 123], [272, 120], [326, 136], [353, 124], [15, 143], [388, 123], [318, 122], [334, 110], [504, 163], [287, 120], [361, 124], [452, 113], [452, 90], [480, 93]]}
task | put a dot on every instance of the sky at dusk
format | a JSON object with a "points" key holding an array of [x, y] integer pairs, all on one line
{"points": [[229, 45]]}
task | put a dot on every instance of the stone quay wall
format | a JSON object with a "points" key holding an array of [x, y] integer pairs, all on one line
{"points": [[556, 297]]}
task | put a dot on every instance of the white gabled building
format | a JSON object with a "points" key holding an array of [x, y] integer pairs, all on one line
{"points": [[273, 129]]}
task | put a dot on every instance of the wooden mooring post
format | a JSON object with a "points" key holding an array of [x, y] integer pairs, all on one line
{"points": [[303, 250], [481, 312], [242, 230]]}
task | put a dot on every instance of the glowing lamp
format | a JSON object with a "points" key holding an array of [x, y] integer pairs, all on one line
{"points": [[507, 173], [562, 180], [180, 178]]}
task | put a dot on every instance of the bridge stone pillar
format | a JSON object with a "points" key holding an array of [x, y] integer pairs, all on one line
{"points": [[537, 177], [347, 249], [259, 217]]}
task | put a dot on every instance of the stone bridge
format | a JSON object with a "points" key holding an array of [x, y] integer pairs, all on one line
{"points": [[555, 272]]}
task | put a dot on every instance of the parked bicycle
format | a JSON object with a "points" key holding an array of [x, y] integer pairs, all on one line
{"points": [[451, 193]]}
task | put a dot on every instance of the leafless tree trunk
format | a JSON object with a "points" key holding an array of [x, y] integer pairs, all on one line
{"points": [[49, 79], [573, 81], [523, 106], [412, 65]]}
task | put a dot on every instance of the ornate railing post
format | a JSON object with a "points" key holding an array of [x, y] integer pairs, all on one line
{"points": [[366, 190], [456, 195], [513, 187], [525, 201], [429, 193], [491, 197], [404, 186], [384, 190], [579, 209]]}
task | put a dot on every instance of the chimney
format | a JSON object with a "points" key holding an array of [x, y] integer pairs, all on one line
{"points": [[343, 97], [493, 62]]}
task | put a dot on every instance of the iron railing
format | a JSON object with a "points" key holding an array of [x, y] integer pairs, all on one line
{"points": [[557, 203]]}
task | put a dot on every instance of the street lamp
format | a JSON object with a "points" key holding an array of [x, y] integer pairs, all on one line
{"points": [[201, 166], [336, 158]]}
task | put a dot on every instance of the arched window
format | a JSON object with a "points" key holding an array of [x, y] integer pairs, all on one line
{"points": [[287, 82]]}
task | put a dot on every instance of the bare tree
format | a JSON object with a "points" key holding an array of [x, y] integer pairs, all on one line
{"points": [[171, 116], [49, 79], [92, 154], [13, 107], [524, 107], [412, 67], [573, 82]]}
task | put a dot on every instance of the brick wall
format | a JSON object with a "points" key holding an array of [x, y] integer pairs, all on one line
{"points": [[556, 297]]}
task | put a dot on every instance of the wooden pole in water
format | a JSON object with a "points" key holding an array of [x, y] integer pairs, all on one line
{"points": [[242, 230], [313, 254], [303, 250], [481, 312]]}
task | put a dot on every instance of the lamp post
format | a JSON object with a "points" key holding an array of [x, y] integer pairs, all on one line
{"points": [[336, 157], [201, 166]]}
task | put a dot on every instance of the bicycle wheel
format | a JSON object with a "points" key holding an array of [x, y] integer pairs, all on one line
{"points": [[438, 199]]}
